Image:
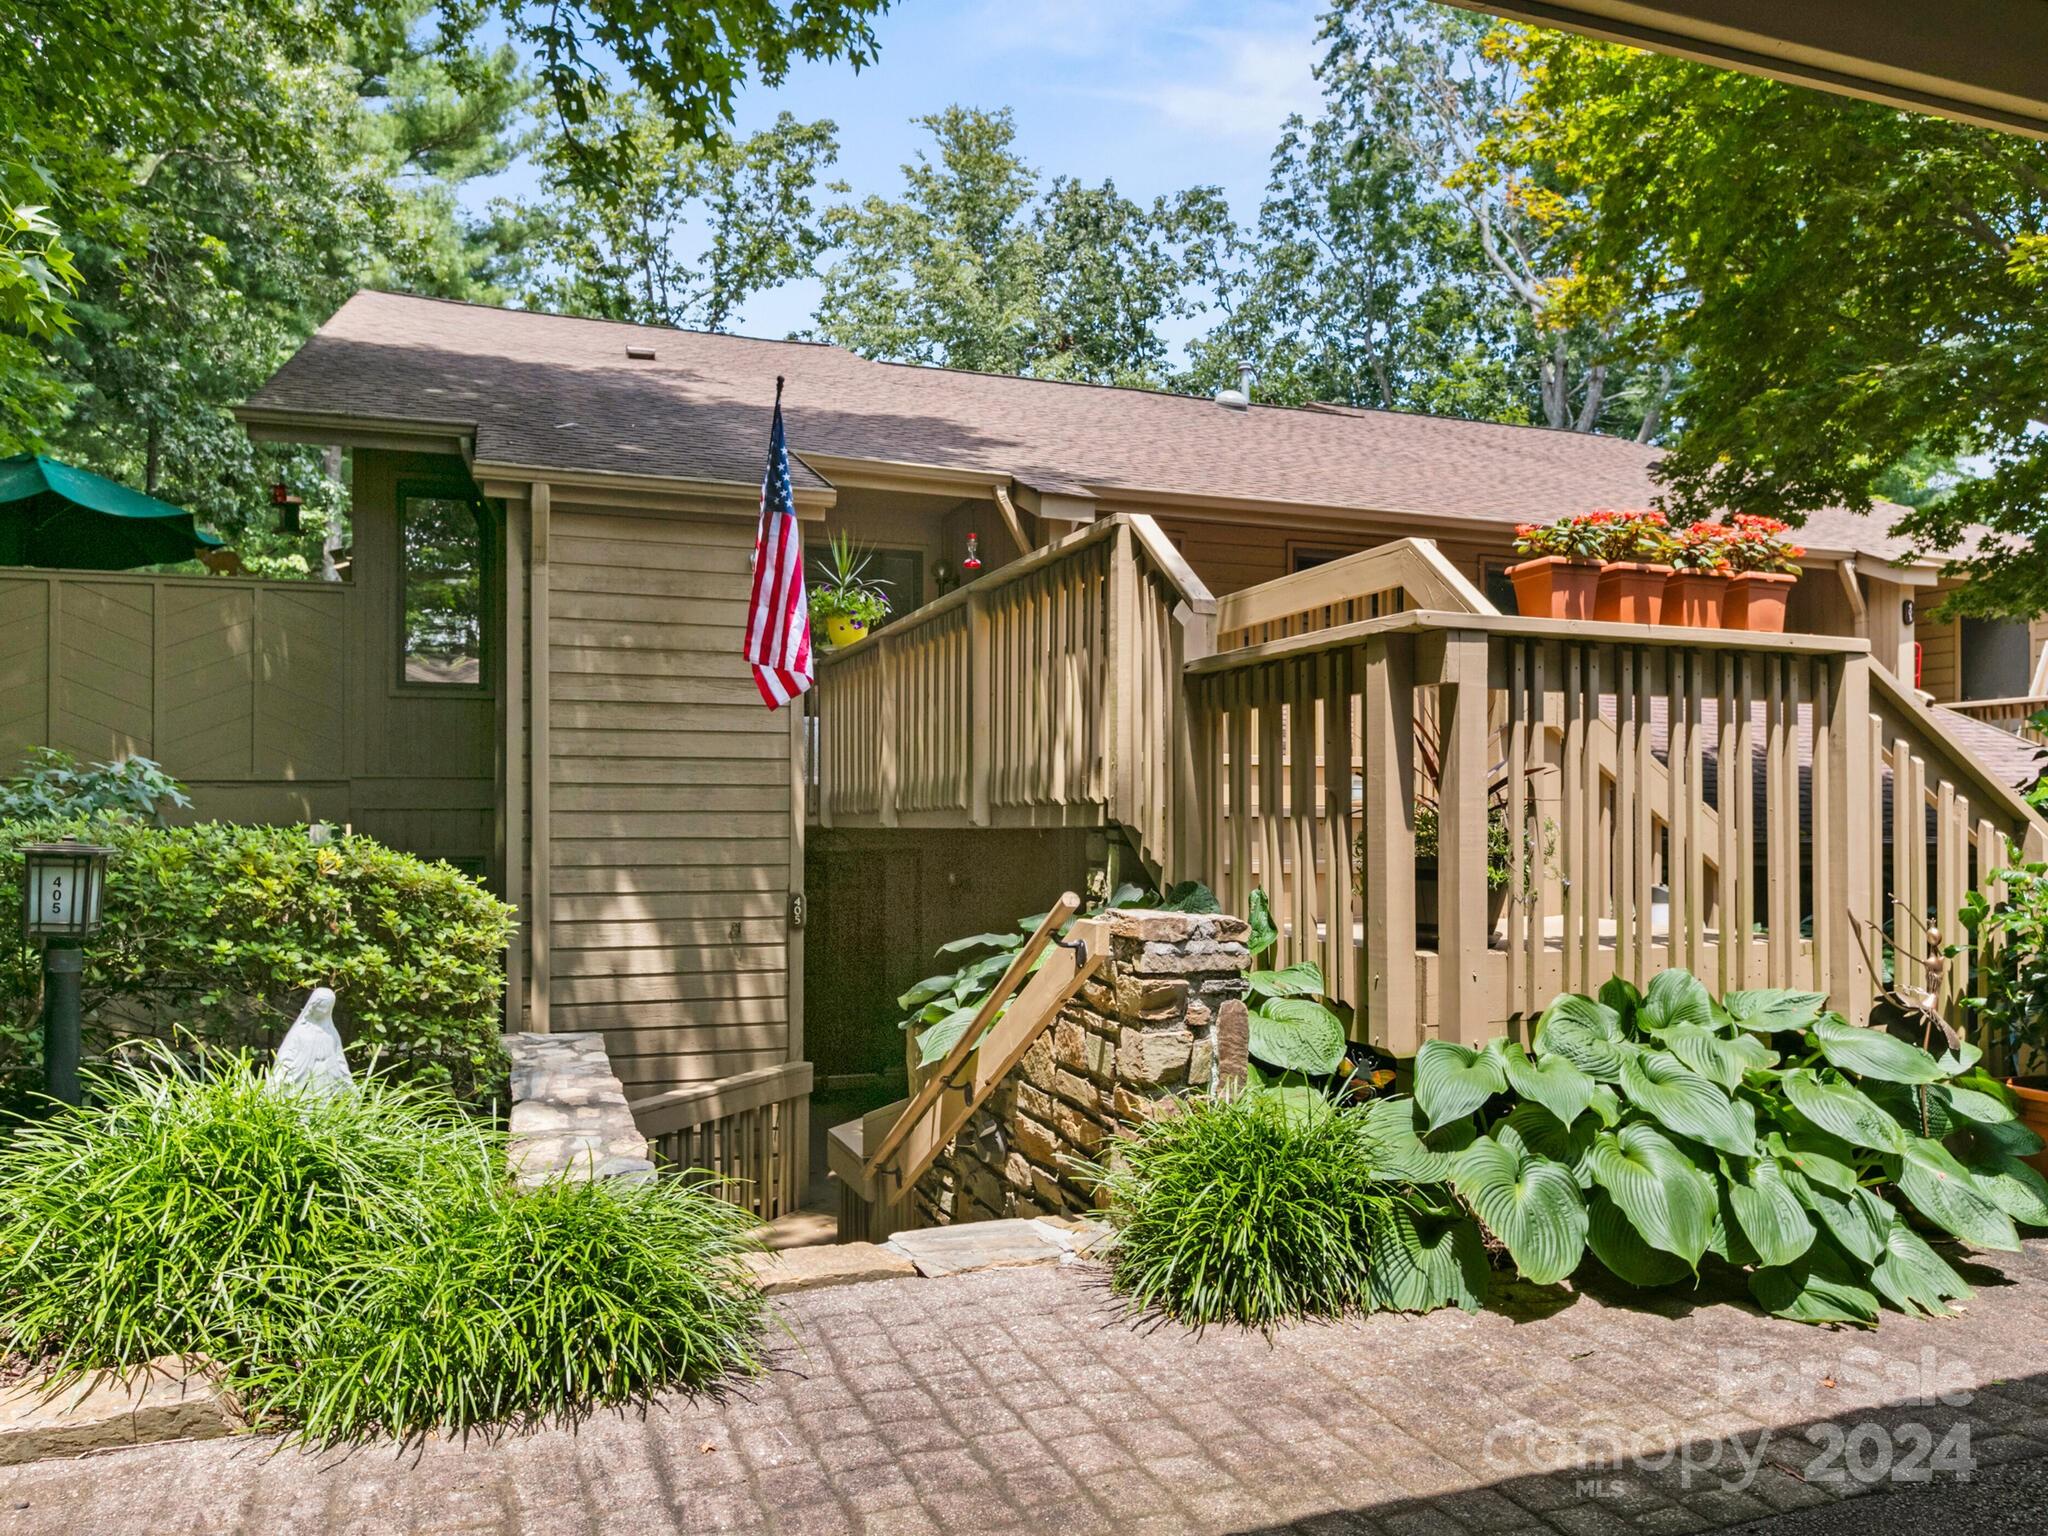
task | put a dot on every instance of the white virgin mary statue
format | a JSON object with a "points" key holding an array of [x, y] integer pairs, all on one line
{"points": [[309, 1058]]}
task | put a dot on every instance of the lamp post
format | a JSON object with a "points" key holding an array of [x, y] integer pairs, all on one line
{"points": [[60, 909]]}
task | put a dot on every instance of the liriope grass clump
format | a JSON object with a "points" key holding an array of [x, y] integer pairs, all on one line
{"points": [[358, 1266], [185, 1205], [523, 1306], [1267, 1207]]}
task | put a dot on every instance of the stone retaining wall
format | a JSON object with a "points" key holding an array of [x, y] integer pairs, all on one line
{"points": [[1165, 1017], [569, 1113]]}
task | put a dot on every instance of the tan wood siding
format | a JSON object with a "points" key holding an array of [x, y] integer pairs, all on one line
{"points": [[669, 811]]}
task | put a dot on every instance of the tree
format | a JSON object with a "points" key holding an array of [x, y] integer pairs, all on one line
{"points": [[688, 60], [683, 236], [1359, 287], [1426, 83], [1851, 286], [974, 268], [225, 174]]}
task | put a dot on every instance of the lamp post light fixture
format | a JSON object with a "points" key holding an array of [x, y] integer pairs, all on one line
{"points": [[60, 909]]}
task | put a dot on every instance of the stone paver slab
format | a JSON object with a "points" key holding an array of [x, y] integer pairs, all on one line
{"points": [[805, 1269], [981, 1245], [162, 1401]]}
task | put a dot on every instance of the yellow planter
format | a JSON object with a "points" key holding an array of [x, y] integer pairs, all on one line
{"points": [[843, 629]]}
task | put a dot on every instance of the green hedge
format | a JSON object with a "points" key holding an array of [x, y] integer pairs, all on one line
{"points": [[214, 933]]}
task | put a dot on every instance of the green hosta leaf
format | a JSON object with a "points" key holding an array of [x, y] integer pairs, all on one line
{"points": [[1660, 1190], [1553, 1082], [1821, 1286], [934, 1044], [1726, 1241], [1616, 1244], [1451, 1081], [1835, 1104], [1981, 1099], [1943, 1190], [1685, 1103], [1530, 1203], [1717, 1057], [1767, 1010], [1398, 1151], [1620, 994], [1586, 1034], [1545, 1135], [1417, 1263], [1298, 1101], [1189, 896], [2013, 1186], [1675, 997], [1959, 1060], [982, 941], [1826, 1160], [1857, 1220], [1769, 1213], [926, 990], [1873, 1053], [1302, 980], [2010, 1137], [1606, 1104], [1297, 1034], [1913, 1277], [1259, 914]]}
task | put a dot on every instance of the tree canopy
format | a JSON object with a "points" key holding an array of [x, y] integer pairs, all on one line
{"points": [[1852, 288]]}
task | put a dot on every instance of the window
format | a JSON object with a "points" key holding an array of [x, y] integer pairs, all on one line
{"points": [[898, 572], [1496, 585], [441, 554], [1300, 559]]}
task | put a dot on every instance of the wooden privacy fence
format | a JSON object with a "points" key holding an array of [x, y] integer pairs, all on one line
{"points": [[1047, 693], [752, 1129], [220, 680], [1654, 797]]}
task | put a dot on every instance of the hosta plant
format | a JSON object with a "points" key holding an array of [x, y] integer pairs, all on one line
{"points": [[1656, 1128]]}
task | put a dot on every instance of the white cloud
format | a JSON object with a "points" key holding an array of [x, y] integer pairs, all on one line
{"points": [[1251, 82]]}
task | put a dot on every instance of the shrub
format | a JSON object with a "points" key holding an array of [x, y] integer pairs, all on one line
{"points": [[2012, 953], [217, 931], [516, 1306], [1657, 1128], [1269, 1207], [185, 1207], [53, 785], [357, 1266]]}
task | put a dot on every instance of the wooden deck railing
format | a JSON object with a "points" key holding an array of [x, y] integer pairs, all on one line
{"points": [[753, 1130], [1665, 797], [1390, 578], [1047, 693], [2015, 715]]}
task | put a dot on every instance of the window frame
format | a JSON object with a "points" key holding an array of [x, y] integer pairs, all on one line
{"points": [[444, 489]]}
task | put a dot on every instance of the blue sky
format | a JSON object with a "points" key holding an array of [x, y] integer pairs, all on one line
{"points": [[1154, 94]]}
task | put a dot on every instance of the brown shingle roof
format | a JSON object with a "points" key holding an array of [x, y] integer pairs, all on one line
{"points": [[559, 392]]}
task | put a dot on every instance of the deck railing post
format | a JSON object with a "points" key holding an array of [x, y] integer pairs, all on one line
{"points": [[1121, 671], [1388, 729], [1850, 893], [980, 705], [1461, 677], [885, 732]]}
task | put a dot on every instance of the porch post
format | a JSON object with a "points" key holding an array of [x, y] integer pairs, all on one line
{"points": [[512, 712], [542, 881], [1461, 839], [1848, 887], [1388, 729]]}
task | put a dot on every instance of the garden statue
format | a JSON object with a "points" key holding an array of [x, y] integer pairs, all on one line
{"points": [[310, 1055]]}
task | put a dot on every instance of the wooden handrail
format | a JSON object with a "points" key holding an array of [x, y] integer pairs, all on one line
{"points": [[943, 1103], [1413, 567], [693, 1104], [1887, 691], [942, 1075], [2025, 703]]}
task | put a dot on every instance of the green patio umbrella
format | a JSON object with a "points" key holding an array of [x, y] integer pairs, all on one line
{"points": [[54, 515]]}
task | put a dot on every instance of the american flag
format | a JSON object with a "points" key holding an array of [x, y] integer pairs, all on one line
{"points": [[779, 612]]}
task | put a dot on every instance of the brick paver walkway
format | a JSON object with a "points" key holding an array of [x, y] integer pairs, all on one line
{"points": [[1015, 1400]]}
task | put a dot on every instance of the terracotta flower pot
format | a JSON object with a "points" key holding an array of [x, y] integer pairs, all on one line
{"points": [[2032, 1093], [1552, 587], [1695, 599], [1631, 592], [1756, 602]]}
